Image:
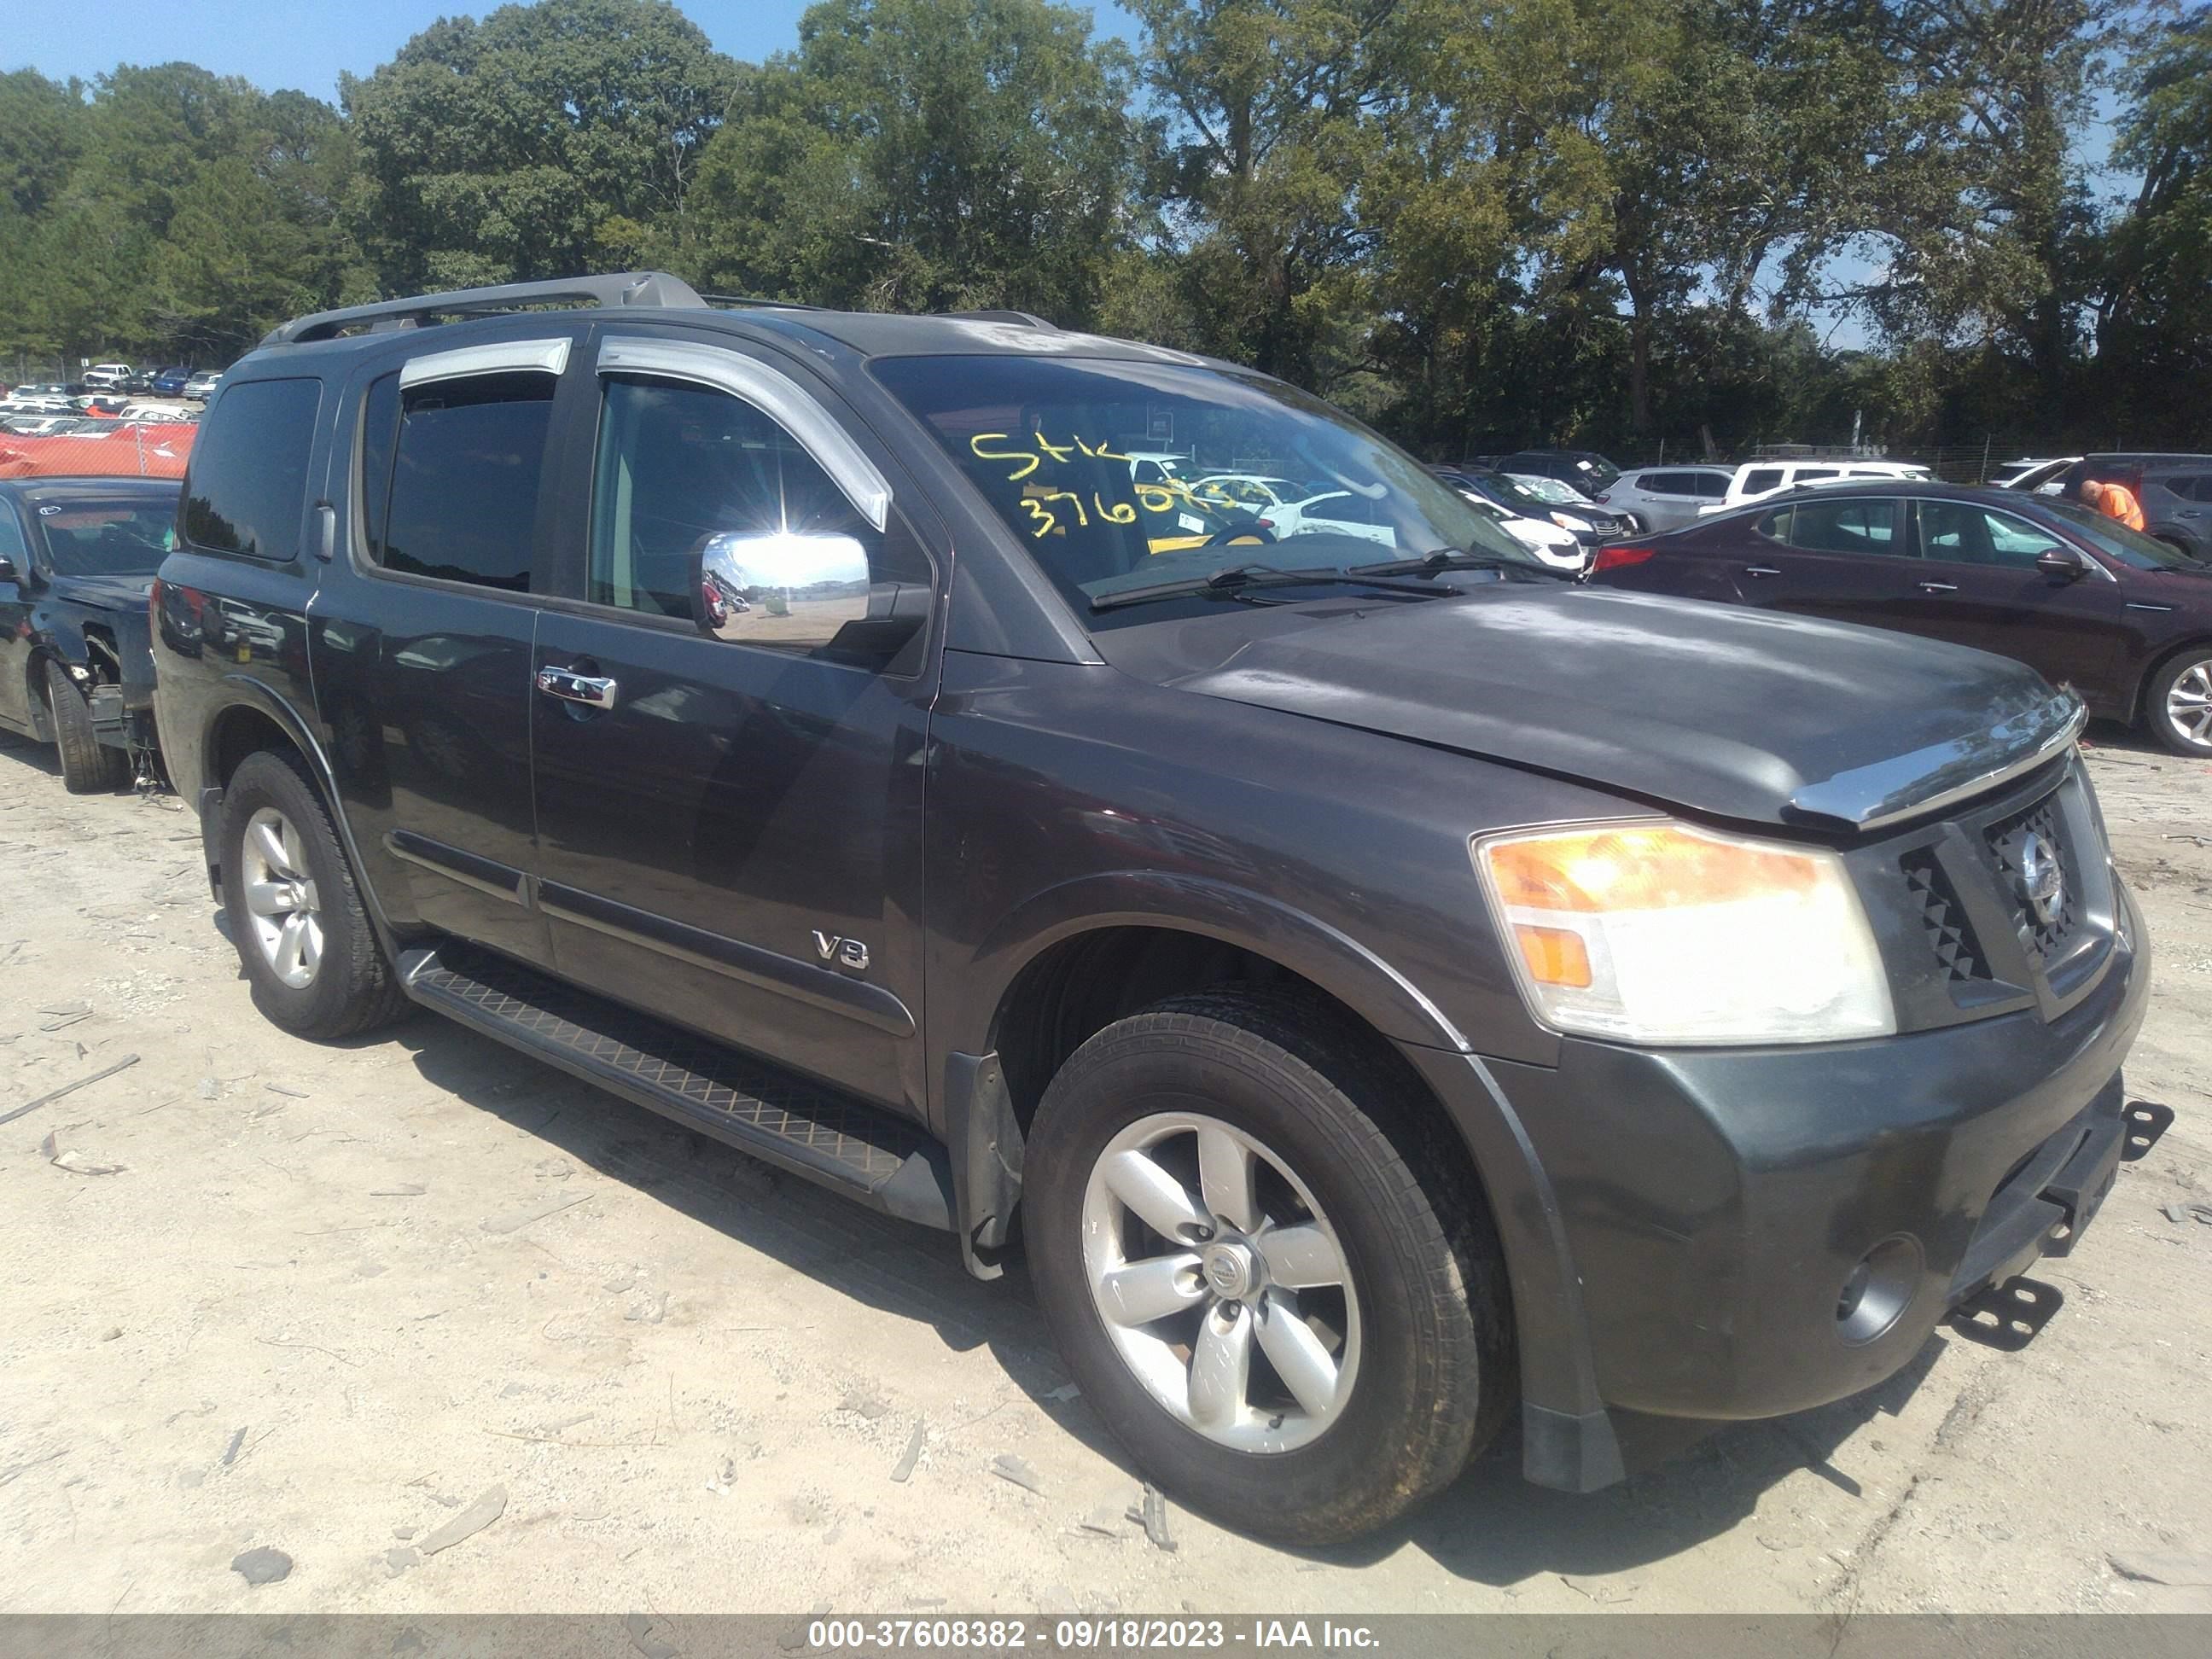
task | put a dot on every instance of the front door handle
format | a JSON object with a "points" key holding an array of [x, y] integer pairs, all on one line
{"points": [[1938, 588], [568, 684], [1760, 570]]}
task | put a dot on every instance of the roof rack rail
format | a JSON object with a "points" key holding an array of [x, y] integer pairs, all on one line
{"points": [[1025, 319], [755, 300], [630, 287]]}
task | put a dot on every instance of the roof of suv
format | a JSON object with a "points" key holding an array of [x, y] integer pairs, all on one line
{"points": [[639, 296]]}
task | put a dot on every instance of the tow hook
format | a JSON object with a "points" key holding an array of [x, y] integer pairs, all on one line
{"points": [[2008, 1315], [2146, 1122]]}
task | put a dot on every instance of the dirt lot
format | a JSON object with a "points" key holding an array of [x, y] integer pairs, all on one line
{"points": [[331, 1298]]}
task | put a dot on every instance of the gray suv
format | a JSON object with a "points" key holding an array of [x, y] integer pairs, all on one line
{"points": [[1383, 984]]}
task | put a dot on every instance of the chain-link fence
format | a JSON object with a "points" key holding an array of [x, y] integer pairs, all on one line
{"points": [[130, 448]]}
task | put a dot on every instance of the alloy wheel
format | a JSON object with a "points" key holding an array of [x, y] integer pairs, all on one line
{"points": [[283, 909], [2189, 703], [1220, 1282]]}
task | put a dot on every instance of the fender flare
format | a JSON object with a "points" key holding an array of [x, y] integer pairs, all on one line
{"points": [[1570, 1444], [1333, 960]]}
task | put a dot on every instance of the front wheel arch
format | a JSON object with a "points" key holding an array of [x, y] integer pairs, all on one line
{"points": [[2139, 705]]}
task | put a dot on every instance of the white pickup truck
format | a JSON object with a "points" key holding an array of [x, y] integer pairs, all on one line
{"points": [[1755, 480]]}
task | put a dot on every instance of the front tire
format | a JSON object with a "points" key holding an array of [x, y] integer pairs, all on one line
{"points": [[2178, 709], [295, 911], [1274, 1280], [89, 767]]}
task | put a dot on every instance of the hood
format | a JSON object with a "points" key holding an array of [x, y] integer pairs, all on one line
{"points": [[106, 592], [1717, 709]]}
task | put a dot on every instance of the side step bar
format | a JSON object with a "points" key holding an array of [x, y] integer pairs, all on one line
{"points": [[883, 1162]]}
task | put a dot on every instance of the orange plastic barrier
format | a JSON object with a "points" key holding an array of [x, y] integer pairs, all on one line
{"points": [[143, 449]]}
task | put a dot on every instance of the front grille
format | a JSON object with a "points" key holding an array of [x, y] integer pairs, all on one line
{"points": [[2007, 840], [1949, 934]]}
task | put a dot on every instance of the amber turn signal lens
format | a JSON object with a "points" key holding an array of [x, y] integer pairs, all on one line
{"points": [[1554, 955], [1634, 867]]}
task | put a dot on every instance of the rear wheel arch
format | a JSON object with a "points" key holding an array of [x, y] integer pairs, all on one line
{"points": [[255, 720]]}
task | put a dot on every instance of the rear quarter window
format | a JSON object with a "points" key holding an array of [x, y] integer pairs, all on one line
{"points": [[247, 491]]}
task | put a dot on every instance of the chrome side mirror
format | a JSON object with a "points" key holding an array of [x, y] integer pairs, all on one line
{"points": [[780, 587], [8, 571], [2062, 562]]}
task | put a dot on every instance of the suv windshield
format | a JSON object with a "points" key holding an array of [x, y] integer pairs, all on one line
{"points": [[1056, 446], [1548, 489], [2130, 547], [108, 538]]}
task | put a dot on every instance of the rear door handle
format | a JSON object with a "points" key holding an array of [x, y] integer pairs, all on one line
{"points": [[1938, 588], [1760, 570], [571, 687]]}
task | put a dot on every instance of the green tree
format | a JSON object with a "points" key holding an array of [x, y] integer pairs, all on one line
{"points": [[925, 155], [2155, 328], [1272, 108], [535, 143]]}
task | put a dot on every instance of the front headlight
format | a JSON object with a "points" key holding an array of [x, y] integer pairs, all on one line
{"points": [[1665, 933], [1566, 523]]}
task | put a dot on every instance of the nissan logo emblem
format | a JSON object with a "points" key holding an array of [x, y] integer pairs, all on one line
{"points": [[2042, 882]]}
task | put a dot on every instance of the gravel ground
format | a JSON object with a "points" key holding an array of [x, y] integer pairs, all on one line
{"points": [[348, 1303]]}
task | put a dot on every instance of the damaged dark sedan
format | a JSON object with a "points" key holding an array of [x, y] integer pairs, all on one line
{"points": [[77, 558]]}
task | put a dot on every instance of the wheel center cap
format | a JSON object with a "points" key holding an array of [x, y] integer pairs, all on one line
{"points": [[1229, 1270]]}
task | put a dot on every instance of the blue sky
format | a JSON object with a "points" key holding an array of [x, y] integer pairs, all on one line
{"points": [[306, 46]]}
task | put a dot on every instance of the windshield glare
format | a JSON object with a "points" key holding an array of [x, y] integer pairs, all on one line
{"points": [[106, 539], [1273, 476], [2130, 547]]}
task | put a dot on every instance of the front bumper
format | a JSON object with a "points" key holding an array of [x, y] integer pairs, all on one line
{"points": [[1713, 1208]]}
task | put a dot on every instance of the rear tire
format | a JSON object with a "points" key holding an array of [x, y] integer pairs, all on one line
{"points": [[2178, 708], [89, 767], [295, 911], [1361, 1313]]}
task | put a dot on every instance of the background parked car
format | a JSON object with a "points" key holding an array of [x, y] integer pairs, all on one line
{"points": [[2175, 491], [1585, 469], [1557, 547], [1589, 525], [170, 382], [2044, 476], [107, 377], [1662, 498], [1755, 480], [2126, 620], [77, 558], [202, 385]]}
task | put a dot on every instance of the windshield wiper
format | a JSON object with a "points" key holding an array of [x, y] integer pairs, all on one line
{"points": [[1435, 563], [1236, 578]]}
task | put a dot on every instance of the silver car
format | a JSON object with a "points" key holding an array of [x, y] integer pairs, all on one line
{"points": [[1662, 498]]}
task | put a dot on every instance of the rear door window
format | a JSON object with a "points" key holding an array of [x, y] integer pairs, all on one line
{"points": [[1762, 478], [1853, 526], [1664, 483], [466, 458], [247, 491]]}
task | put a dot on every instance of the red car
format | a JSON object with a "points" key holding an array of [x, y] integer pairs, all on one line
{"points": [[2126, 621]]}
